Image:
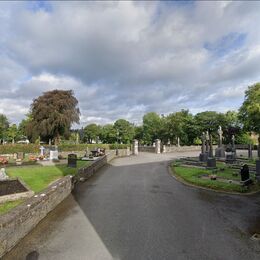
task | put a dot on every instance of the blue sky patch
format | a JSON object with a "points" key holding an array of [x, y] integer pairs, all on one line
{"points": [[39, 5], [230, 42]]}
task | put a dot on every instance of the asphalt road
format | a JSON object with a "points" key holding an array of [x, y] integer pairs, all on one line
{"points": [[134, 209]]}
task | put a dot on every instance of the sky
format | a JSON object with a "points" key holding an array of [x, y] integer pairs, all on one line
{"points": [[124, 59]]}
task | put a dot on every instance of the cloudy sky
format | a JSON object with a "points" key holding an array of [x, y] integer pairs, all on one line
{"points": [[124, 59]]}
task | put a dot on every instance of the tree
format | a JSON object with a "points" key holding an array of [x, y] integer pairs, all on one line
{"points": [[152, 126], [91, 133], [108, 134], [125, 131], [53, 113], [4, 124], [249, 112], [12, 133], [180, 125]]}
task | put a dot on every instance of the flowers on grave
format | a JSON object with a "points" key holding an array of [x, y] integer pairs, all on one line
{"points": [[32, 158], [3, 161], [41, 157]]}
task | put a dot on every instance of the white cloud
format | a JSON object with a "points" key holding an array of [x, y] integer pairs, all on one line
{"points": [[123, 59]]}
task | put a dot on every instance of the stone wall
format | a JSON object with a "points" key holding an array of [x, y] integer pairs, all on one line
{"points": [[86, 172], [21, 220], [170, 149], [147, 149]]}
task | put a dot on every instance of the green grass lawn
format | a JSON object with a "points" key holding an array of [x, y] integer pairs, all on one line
{"points": [[191, 175], [38, 178]]}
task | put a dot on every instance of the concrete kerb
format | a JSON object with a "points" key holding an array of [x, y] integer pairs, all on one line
{"points": [[182, 181]]}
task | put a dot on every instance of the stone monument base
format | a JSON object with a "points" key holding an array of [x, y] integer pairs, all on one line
{"points": [[220, 152], [203, 157], [230, 157], [211, 163]]}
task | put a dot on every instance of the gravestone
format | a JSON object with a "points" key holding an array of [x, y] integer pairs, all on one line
{"points": [[211, 163], [15, 156], [220, 151], [233, 146], [244, 172], [20, 155], [42, 149], [72, 160], [203, 155], [257, 174], [207, 142], [210, 147], [3, 175], [54, 155]]}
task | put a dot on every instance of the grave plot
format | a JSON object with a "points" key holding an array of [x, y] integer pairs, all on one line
{"points": [[222, 176]]}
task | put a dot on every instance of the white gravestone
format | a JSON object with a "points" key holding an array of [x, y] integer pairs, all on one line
{"points": [[54, 155], [3, 175]]}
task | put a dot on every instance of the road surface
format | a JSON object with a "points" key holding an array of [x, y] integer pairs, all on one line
{"points": [[134, 209]]}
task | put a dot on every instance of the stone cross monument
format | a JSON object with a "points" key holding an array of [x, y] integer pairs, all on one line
{"points": [[220, 133], [220, 151], [207, 141]]}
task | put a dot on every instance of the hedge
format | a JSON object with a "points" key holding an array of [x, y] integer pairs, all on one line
{"points": [[33, 148]]}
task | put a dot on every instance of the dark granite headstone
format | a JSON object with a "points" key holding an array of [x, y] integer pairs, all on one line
{"points": [[244, 172], [211, 163], [257, 174], [203, 157], [72, 160]]}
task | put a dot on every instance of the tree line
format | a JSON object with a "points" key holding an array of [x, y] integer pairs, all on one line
{"points": [[53, 113]]}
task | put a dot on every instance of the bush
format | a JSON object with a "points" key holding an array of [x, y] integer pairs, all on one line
{"points": [[34, 148]]}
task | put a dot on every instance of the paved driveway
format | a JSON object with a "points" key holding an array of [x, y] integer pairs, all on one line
{"points": [[133, 209]]}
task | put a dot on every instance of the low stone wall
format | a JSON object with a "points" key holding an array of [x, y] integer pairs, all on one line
{"points": [[170, 149], [86, 172], [147, 149], [21, 220]]}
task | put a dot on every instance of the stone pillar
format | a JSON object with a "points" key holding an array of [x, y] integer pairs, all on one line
{"points": [[127, 151], [164, 149], [135, 147], [157, 146], [210, 147], [207, 142], [178, 142]]}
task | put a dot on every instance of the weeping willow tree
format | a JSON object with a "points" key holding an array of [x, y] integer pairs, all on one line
{"points": [[53, 113]]}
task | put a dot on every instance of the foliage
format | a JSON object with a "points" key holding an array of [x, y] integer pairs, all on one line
{"points": [[4, 124], [91, 133], [125, 131], [12, 133], [108, 134], [152, 127], [249, 112], [53, 114]]}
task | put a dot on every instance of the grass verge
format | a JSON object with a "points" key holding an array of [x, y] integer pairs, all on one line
{"points": [[38, 178], [192, 175]]}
